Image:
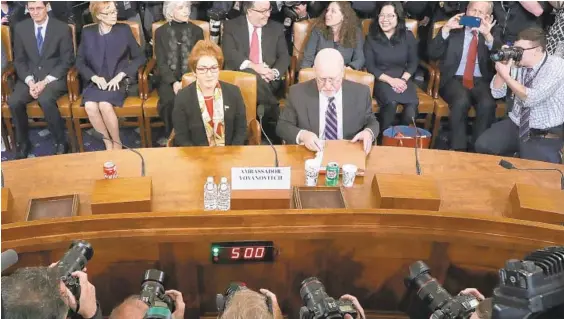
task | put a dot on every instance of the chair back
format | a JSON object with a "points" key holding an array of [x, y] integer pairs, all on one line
{"points": [[204, 25], [246, 82], [351, 75], [7, 43], [410, 24], [302, 30], [73, 34], [437, 26]]}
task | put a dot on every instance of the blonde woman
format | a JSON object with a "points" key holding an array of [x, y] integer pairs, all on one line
{"points": [[173, 43]]}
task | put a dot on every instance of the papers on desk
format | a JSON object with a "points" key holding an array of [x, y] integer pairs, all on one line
{"points": [[342, 152]]}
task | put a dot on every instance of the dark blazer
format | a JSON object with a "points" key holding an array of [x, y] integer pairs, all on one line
{"points": [[302, 111], [166, 50], [449, 52], [57, 54], [123, 54], [354, 57], [236, 46], [188, 123]]}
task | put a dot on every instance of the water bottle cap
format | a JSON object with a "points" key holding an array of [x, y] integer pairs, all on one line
{"points": [[224, 179], [210, 179]]}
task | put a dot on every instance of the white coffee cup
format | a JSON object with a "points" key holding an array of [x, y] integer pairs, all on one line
{"points": [[349, 174], [312, 167]]}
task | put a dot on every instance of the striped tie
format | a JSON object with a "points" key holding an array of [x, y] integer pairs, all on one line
{"points": [[525, 112], [331, 121]]}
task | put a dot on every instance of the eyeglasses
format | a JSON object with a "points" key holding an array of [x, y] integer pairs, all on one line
{"points": [[110, 13], [330, 81], [387, 16], [204, 70], [265, 12]]}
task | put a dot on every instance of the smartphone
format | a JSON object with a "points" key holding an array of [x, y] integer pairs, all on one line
{"points": [[470, 21]]}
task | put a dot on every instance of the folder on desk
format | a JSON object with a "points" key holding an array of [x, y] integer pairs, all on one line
{"points": [[344, 152]]}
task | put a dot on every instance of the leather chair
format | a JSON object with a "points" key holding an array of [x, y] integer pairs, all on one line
{"points": [[34, 111], [426, 102], [441, 106], [247, 83], [302, 31], [132, 106], [152, 98], [7, 48]]}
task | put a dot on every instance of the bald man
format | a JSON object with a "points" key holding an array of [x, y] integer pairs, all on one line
{"points": [[328, 108]]}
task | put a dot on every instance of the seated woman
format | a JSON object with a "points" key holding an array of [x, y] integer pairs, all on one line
{"points": [[209, 111], [391, 55], [108, 58], [337, 28], [173, 43]]}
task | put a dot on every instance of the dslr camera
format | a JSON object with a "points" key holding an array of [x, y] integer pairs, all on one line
{"points": [[222, 300], [318, 305], [75, 259], [443, 305], [506, 54], [531, 288], [161, 306]]}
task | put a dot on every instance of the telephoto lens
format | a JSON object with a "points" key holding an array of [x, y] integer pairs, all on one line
{"points": [[75, 259], [319, 305], [161, 306], [506, 54]]}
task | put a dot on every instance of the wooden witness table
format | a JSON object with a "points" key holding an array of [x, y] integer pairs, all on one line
{"points": [[363, 251]]}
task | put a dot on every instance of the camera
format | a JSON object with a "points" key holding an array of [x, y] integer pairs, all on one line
{"points": [[161, 306], [216, 16], [506, 54], [438, 299], [75, 259], [318, 305], [290, 12], [222, 300], [531, 288]]}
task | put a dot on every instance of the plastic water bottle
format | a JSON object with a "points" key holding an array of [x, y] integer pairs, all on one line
{"points": [[210, 194], [224, 195]]}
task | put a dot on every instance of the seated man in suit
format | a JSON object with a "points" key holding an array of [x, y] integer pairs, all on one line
{"points": [[466, 71], [254, 44], [43, 54], [328, 108]]}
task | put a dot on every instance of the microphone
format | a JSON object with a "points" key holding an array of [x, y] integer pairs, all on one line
{"points": [[508, 165], [417, 165], [260, 113], [97, 135], [9, 258]]}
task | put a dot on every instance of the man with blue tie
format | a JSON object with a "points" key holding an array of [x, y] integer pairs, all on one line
{"points": [[43, 54], [328, 108]]}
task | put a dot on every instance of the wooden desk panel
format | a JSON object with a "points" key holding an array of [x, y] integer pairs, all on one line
{"points": [[468, 183]]}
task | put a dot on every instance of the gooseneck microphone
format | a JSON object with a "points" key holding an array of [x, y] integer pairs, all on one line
{"points": [[97, 135], [508, 165], [260, 113], [417, 165], [9, 258]]}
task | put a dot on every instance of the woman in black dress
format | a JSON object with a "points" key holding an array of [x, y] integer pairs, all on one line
{"points": [[173, 43], [391, 55], [108, 58]]}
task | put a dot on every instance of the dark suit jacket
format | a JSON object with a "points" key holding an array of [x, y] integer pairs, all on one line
{"points": [[57, 54], [188, 123], [302, 111], [123, 54], [236, 45], [449, 52]]}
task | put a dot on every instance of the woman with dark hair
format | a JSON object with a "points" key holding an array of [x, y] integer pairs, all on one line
{"points": [[391, 55], [339, 28]]}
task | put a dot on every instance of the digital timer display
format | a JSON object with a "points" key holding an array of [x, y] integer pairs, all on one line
{"points": [[242, 252]]}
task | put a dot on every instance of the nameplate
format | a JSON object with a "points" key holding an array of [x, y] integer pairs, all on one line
{"points": [[254, 178]]}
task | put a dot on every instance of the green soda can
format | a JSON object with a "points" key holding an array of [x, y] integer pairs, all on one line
{"points": [[332, 174]]}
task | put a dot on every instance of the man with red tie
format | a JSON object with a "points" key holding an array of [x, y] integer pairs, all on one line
{"points": [[466, 71], [252, 43]]}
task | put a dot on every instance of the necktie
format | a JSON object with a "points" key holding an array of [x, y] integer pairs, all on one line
{"points": [[254, 54], [468, 78], [39, 39], [525, 112], [331, 120]]}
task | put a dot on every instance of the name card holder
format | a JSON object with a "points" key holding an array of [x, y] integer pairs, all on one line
{"points": [[538, 204], [417, 192], [260, 188], [7, 202], [122, 195]]}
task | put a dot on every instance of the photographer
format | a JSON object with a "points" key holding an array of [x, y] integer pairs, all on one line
{"points": [[484, 309], [246, 303], [134, 308], [38, 292], [534, 128]]}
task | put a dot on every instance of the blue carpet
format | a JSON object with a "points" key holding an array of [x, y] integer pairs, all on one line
{"points": [[43, 144]]}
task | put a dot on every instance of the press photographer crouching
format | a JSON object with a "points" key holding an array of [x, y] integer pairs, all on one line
{"points": [[153, 302], [534, 128], [53, 292], [238, 301]]}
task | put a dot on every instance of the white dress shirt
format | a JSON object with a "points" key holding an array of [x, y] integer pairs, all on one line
{"points": [[251, 27], [36, 26], [468, 35], [323, 106]]}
